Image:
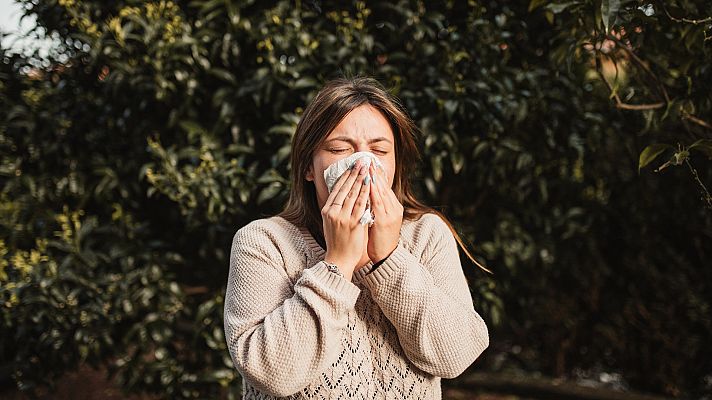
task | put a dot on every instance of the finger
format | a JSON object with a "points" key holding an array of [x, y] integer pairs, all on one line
{"points": [[335, 189], [360, 205], [382, 178], [346, 187], [355, 190], [376, 198], [387, 195]]}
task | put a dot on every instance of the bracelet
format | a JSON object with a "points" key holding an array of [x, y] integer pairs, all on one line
{"points": [[333, 268]]}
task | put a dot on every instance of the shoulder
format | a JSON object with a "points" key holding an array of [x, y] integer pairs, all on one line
{"points": [[428, 236], [264, 235], [269, 226], [428, 231], [430, 225]]}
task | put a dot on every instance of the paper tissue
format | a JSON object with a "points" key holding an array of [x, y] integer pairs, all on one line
{"points": [[335, 170]]}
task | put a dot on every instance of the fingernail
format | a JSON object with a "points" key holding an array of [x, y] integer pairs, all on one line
{"points": [[367, 179], [362, 170]]}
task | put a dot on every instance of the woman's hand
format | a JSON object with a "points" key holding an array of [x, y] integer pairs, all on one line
{"points": [[345, 237], [388, 212]]}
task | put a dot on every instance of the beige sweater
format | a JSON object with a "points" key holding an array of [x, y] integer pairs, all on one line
{"points": [[294, 329]]}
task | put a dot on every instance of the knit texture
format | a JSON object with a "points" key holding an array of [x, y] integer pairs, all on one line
{"points": [[296, 330]]}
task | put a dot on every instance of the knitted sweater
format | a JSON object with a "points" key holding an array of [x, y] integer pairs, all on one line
{"points": [[294, 329]]}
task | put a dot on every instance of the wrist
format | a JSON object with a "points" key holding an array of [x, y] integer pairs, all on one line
{"points": [[341, 263], [382, 260], [378, 263], [338, 270]]}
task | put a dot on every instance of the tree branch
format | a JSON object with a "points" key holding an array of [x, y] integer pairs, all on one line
{"points": [[619, 103], [650, 106], [639, 62], [686, 20], [706, 197], [696, 120]]}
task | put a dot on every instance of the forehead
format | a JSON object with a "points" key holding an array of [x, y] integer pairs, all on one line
{"points": [[363, 122]]}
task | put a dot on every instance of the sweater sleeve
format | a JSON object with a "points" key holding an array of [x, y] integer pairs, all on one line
{"points": [[281, 336], [430, 305]]}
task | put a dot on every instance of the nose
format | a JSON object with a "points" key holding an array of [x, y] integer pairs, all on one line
{"points": [[362, 146]]}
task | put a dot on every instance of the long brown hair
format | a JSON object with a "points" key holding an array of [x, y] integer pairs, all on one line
{"points": [[334, 101]]}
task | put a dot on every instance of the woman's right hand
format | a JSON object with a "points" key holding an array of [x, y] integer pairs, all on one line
{"points": [[345, 237]]}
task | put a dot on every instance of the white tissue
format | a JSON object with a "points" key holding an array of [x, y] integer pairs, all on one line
{"points": [[335, 170]]}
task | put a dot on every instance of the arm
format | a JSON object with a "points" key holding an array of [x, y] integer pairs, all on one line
{"points": [[281, 337], [430, 305]]}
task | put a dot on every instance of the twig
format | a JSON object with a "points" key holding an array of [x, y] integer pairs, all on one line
{"points": [[619, 103], [706, 197], [642, 65], [696, 120], [690, 21], [686, 20], [651, 106]]}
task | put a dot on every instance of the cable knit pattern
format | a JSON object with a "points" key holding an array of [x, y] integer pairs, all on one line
{"points": [[296, 330]]}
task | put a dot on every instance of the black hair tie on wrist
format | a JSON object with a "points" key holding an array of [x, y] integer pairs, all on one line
{"points": [[378, 264]]}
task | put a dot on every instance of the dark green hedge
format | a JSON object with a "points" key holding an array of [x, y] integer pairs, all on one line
{"points": [[162, 127]]}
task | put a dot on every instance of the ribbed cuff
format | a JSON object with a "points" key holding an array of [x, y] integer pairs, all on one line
{"points": [[378, 264], [400, 258], [339, 284]]}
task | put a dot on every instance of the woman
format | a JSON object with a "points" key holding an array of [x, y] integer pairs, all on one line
{"points": [[320, 305]]}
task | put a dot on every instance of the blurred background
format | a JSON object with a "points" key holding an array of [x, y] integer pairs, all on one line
{"points": [[569, 141]]}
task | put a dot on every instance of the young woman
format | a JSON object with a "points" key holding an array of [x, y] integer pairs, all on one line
{"points": [[319, 305]]}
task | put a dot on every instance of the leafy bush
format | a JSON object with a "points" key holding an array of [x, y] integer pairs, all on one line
{"points": [[162, 127]]}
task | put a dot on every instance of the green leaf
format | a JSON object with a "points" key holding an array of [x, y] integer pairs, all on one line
{"points": [[458, 161], [436, 162], [680, 156], [282, 130], [450, 107], [704, 146], [549, 17], [302, 83], [534, 4], [222, 74], [557, 8], [650, 153], [191, 127], [269, 192], [609, 11]]}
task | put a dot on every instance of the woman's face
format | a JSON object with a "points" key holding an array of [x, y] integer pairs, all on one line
{"points": [[363, 129]]}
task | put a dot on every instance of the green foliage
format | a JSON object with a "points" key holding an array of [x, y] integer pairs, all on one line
{"points": [[667, 84], [126, 171]]}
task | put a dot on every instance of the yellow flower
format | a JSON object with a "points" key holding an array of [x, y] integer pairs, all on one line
{"points": [[115, 26], [21, 264], [126, 11]]}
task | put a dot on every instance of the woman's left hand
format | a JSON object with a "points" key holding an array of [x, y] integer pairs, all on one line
{"points": [[383, 236]]}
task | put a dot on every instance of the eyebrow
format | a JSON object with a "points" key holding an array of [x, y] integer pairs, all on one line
{"points": [[348, 139]]}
